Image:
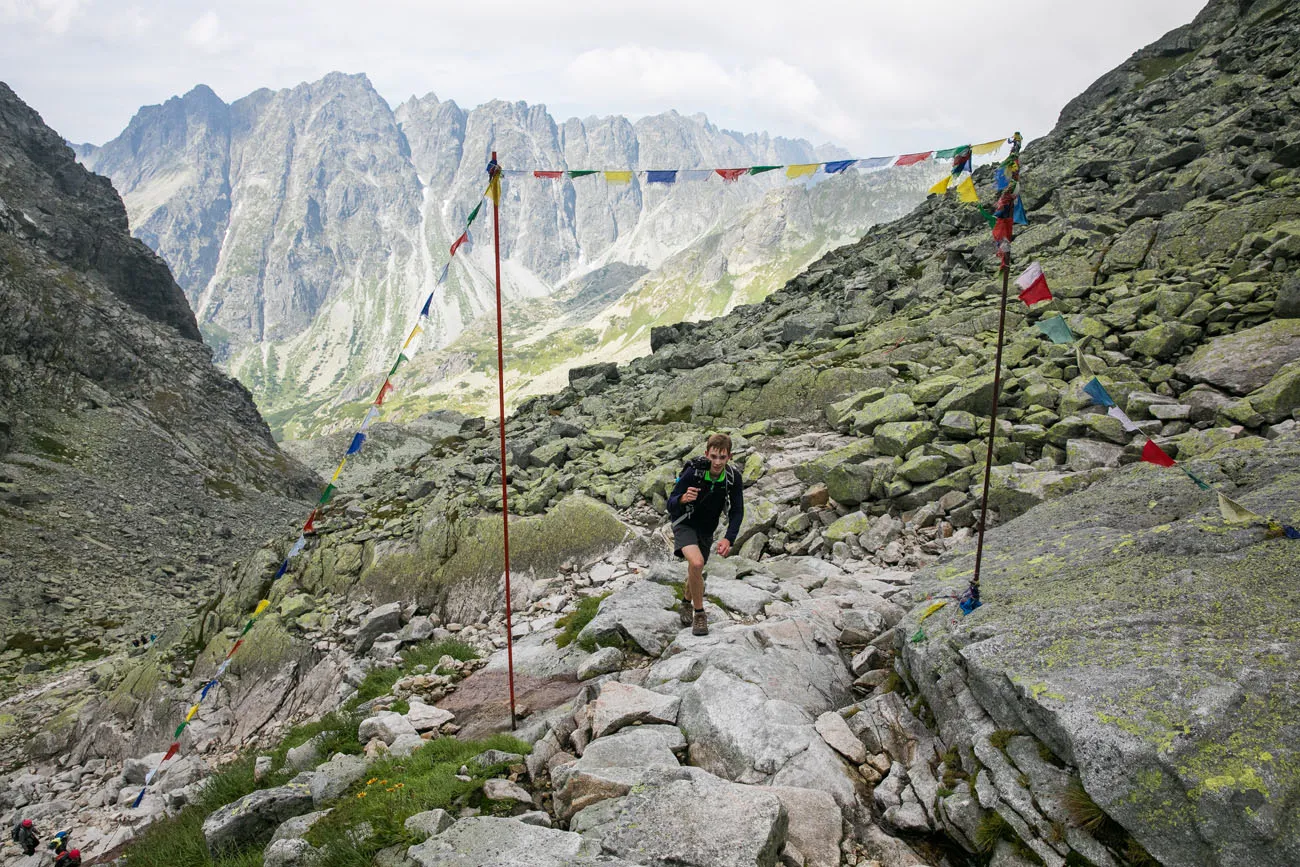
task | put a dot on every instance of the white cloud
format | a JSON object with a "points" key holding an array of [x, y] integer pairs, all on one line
{"points": [[54, 16], [205, 32]]}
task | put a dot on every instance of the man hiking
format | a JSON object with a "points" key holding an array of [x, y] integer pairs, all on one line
{"points": [[707, 486], [24, 834]]}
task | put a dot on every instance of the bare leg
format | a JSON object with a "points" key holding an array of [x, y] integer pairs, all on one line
{"points": [[694, 575]]}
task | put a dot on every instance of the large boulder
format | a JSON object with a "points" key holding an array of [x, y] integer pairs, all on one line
{"points": [[1245, 360], [1180, 729], [643, 615], [621, 704], [251, 820], [384, 619], [689, 818], [485, 841]]}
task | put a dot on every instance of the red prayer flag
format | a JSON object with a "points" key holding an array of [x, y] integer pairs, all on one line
{"points": [[1037, 291], [461, 240], [385, 390], [235, 648], [552, 175], [913, 159], [310, 526], [730, 175], [1004, 229], [172, 750], [1153, 454]]}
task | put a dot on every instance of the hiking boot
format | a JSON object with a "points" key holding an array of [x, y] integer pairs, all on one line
{"points": [[684, 612], [700, 623]]}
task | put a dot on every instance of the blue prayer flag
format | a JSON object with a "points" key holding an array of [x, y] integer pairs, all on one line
{"points": [[428, 303], [838, 166], [138, 799], [1291, 532], [356, 443], [1000, 178], [1098, 393], [665, 177], [1057, 329], [1019, 215], [284, 567], [207, 686]]}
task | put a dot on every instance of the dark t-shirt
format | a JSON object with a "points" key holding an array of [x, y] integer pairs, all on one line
{"points": [[707, 508]]}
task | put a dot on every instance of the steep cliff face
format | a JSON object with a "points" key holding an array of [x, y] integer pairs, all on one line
{"points": [[306, 225], [131, 470]]}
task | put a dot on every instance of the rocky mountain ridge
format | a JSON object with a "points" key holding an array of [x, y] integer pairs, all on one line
{"points": [[131, 470], [1124, 695], [307, 225]]}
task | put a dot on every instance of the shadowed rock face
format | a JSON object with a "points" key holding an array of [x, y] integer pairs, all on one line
{"points": [[131, 470], [47, 199]]}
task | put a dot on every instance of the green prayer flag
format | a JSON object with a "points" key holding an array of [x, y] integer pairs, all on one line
{"points": [[988, 217], [400, 358], [248, 627], [1056, 329], [180, 728], [582, 173], [327, 494], [1199, 483], [950, 152], [474, 213], [758, 170]]}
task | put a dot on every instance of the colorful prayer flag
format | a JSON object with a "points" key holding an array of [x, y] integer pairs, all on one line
{"points": [[371, 415], [949, 153], [401, 357], [1125, 422], [966, 190], [148, 778], [875, 162], [582, 173], [310, 526], [138, 799], [941, 186], [661, 177], [297, 546], [550, 175], [1153, 454], [801, 170], [442, 278], [988, 217], [1018, 215], [463, 239], [1000, 179], [428, 304], [180, 728], [190, 714], [988, 147], [473, 215], [1057, 329], [338, 471], [327, 494], [932, 609], [202, 695], [1234, 512], [233, 650], [618, 177], [1095, 390], [261, 606], [684, 175], [1200, 483], [836, 166], [384, 391], [357, 442], [913, 159], [172, 750], [494, 188], [248, 627], [729, 175], [758, 170], [1004, 229], [1033, 285], [279, 573], [1084, 367]]}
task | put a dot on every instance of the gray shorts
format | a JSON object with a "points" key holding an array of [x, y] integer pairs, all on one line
{"points": [[684, 534]]}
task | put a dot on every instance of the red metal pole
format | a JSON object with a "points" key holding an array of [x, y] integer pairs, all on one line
{"points": [[501, 405]]}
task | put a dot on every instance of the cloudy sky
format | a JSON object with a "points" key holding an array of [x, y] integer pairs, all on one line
{"points": [[875, 77]]}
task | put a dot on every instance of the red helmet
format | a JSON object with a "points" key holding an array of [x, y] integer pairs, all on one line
{"points": [[75, 853], [27, 823]]}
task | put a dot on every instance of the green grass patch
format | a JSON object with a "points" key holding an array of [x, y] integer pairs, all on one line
{"points": [[337, 732], [380, 681], [573, 622], [1002, 737], [398, 788], [1083, 810]]}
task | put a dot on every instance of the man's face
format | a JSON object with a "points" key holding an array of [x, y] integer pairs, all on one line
{"points": [[718, 458]]}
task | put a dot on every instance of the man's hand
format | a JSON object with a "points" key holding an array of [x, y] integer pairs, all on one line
{"points": [[724, 547], [690, 496]]}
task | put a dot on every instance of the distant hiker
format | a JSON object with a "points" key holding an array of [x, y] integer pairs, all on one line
{"points": [[70, 858], [707, 486], [24, 835], [59, 844]]}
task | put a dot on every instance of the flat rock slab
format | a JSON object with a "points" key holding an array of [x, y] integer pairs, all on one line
{"points": [[611, 765], [485, 841], [481, 702], [620, 704], [699, 821], [815, 824], [739, 596], [1246, 360]]}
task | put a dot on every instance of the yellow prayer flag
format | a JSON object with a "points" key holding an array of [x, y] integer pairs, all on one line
{"points": [[1236, 513], [801, 170], [618, 177], [1084, 367], [494, 189], [261, 606], [933, 608], [415, 332], [966, 190], [194, 709], [942, 186], [988, 147], [339, 470]]}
